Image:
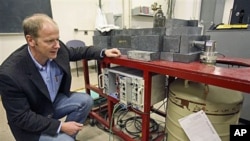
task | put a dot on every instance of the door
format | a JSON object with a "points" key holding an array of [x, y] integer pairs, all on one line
{"points": [[241, 12]]}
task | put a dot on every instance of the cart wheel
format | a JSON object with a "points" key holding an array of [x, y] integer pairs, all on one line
{"points": [[92, 122]]}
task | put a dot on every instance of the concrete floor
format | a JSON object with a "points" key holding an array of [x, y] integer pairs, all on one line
{"points": [[89, 133]]}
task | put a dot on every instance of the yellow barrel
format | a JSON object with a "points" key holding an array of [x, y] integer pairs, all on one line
{"points": [[222, 107]]}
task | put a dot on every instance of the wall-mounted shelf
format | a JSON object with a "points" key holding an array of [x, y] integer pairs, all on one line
{"points": [[142, 17], [142, 11], [142, 14]]}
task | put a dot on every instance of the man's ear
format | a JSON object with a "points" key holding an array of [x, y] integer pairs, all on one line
{"points": [[30, 40]]}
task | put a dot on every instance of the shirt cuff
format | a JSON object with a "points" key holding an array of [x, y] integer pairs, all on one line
{"points": [[59, 128], [102, 54]]}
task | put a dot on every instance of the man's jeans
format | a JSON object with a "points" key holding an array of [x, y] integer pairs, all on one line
{"points": [[75, 108]]}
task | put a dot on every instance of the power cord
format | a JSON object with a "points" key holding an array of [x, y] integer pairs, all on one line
{"points": [[116, 109], [137, 122]]}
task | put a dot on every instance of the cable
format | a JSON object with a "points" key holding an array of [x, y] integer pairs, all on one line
{"points": [[132, 125], [119, 120], [161, 131], [138, 125], [116, 106], [221, 54], [105, 116]]}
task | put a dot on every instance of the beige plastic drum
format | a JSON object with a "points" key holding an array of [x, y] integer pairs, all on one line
{"points": [[222, 107]]}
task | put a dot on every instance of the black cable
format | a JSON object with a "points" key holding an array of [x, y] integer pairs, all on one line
{"points": [[119, 120], [101, 126], [105, 116], [136, 121], [138, 125], [221, 54]]}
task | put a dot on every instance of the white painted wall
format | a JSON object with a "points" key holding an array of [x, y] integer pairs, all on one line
{"points": [[9, 43], [227, 11], [183, 9], [187, 9], [81, 14], [68, 15]]}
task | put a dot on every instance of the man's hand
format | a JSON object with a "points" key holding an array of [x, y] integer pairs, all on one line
{"points": [[71, 127], [114, 52]]}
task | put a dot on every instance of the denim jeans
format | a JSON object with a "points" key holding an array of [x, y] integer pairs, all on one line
{"points": [[75, 108], [59, 137]]}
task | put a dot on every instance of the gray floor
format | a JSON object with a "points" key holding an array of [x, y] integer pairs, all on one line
{"points": [[89, 133]]}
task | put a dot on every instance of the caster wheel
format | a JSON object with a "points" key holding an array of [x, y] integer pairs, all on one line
{"points": [[92, 122]]}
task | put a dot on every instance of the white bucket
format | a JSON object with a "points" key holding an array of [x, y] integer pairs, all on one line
{"points": [[222, 107]]}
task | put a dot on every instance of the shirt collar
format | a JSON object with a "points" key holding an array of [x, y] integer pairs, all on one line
{"points": [[39, 66]]}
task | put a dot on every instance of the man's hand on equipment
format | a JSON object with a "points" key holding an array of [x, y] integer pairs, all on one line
{"points": [[114, 52]]}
